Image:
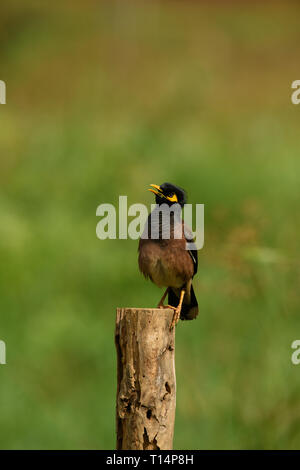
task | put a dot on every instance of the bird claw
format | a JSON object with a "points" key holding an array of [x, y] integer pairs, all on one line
{"points": [[166, 306], [176, 317], [161, 306]]}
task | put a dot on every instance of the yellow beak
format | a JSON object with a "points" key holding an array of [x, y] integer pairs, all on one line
{"points": [[157, 189]]}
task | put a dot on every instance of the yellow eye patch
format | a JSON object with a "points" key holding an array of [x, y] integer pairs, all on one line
{"points": [[172, 198]]}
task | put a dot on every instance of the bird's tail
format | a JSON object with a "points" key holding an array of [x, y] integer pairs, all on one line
{"points": [[189, 309]]}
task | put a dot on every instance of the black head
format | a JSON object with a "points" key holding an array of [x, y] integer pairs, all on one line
{"points": [[168, 193]]}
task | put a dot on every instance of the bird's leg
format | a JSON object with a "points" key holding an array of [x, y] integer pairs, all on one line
{"points": [[161, 302], [177, 311]]}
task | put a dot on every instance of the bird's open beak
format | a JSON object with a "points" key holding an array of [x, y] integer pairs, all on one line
{"points": [[157, 189]]}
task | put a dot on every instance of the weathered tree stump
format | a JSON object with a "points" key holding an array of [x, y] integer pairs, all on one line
{"points": [[146, 390]]}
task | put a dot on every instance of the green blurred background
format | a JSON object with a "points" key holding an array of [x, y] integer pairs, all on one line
{"points": [[103, 99]]}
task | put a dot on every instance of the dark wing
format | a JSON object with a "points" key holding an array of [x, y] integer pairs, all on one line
{"points": [[193, 252]]}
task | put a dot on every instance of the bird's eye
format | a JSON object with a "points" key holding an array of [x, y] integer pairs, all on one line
{"points": [[171, 194]]}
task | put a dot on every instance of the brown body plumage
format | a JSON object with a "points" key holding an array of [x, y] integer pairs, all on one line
{"points": [[166, 262]]}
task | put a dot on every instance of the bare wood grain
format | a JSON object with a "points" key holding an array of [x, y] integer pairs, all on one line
{"points": [[146, 388]]}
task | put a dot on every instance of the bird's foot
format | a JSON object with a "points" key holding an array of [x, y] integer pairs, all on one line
{"points": [[176, 317], [161, 305], [168, 306]]}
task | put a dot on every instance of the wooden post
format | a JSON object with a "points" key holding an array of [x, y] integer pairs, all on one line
{"points": [[146, 390]]}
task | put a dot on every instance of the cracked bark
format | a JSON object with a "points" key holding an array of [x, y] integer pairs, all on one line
{"points": [[146, 383]]}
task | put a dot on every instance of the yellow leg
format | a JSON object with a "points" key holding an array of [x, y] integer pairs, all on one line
{"points": [[177, 311], [161, 302]]}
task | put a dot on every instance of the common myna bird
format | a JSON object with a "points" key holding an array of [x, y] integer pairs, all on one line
{"points": [[163, 254]]}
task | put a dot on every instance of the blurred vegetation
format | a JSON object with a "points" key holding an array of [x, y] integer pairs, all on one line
{"points": [[103, 99]]}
